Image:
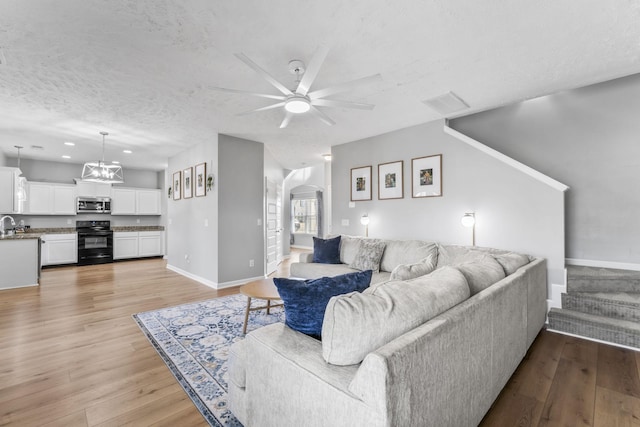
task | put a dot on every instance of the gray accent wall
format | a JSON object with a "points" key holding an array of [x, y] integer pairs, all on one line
{"points": [[586, 138], [513, 210], [192, 224], [241, 205]]}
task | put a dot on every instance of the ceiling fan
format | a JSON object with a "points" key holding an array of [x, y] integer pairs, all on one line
{"points": [[301, 100]]}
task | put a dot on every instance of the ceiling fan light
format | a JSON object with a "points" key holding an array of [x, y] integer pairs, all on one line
{"points": [[297, 105]]}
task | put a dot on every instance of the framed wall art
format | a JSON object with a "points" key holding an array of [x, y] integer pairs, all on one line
{"points": [[361, 183], [201, 180], [390, 180], [426, 176], [177, 185], [187, 183]]}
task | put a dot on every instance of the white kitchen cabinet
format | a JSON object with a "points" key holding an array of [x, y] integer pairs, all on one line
{"points": [[10, 186], [125, 244], [93, 189], [50, 199], [149, 243], [133, 244], [148, 202], [59, 249], [123, 201], [135, 201]]}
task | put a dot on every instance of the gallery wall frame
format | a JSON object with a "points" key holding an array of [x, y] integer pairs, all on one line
{"points": [[187, 183], [177, 185], [426, 176], [391, 180], [200, 180], [361, 183]]}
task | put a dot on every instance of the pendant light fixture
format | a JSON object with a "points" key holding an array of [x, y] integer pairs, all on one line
{"points": [[101, 172]]}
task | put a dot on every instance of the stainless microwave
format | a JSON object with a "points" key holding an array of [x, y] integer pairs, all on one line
{"points": [[93, 205]]}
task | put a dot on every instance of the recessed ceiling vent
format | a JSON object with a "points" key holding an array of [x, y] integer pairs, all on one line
{"points": [[447, 104], [37, 147]]}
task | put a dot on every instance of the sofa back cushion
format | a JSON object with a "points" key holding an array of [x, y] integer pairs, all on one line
{"points": [[452, 255], [511, 261], [357, 324], [411, 271], [481, 273], [407, 252]]}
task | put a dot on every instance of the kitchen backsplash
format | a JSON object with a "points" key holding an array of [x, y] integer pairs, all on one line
{"points": [[54, 221]]}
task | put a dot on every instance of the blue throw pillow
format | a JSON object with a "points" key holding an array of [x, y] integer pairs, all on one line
{"points": [[306, 300], [326, 251]]}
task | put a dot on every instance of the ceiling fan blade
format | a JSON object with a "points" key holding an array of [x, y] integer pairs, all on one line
{"points": [[344, 104], [243, 92], [268, 107], [268, 77], [312, 70], [344, 87], [322, 116], [287, 119]]}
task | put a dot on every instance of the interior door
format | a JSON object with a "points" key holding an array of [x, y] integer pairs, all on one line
{"points": [[271, 227], [279, 228]]}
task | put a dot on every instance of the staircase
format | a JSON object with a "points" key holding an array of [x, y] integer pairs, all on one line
{"points": [[600, 303]]}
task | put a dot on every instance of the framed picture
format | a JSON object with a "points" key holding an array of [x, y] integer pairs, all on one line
{"points": [[201, 180], [187, 186], [361, 183], [390, 180], [177, 185], [426, 176]]}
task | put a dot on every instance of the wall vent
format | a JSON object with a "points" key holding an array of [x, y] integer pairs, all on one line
{"points": [[446, 104]]}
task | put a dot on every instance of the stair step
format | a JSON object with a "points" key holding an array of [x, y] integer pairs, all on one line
{"points": [[618, 305], [623, 332], [594, 279]]}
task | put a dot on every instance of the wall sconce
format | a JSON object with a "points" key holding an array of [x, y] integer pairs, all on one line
{"points": [[364, 220], [469, 220]]}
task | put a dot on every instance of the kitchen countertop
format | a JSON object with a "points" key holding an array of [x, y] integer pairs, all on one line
{"points": [[21, 236], [55, 230], [137, 228]]}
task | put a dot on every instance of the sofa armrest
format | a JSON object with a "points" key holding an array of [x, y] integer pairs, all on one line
{"points": [[306, 257], [286, 375]]}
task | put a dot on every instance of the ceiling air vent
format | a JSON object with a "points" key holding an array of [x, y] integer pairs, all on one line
{"points": [[446, 104], [37, 147]]}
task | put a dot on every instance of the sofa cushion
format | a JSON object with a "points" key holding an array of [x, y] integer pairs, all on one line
{"points": [[411, 271], [349, 246], [306, 300], [511, 261], [359, 323], [369, 255], [326, 251], [452, 255], [407, 252], [481, 273]]}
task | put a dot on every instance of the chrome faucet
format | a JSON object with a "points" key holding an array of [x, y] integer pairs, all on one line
{"points": [[2, 231]]}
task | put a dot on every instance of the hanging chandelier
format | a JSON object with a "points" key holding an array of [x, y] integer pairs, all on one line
{"points": [[100, 171]]}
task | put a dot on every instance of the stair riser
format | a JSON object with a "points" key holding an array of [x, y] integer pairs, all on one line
{"points": [[578, 284], [622, 337], [600, 308]]}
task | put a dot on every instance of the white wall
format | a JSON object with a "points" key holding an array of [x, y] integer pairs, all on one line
{"points": [[514, 211], [192, 224], [586, 138]]}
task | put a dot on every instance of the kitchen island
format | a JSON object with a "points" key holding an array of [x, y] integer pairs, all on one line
{"points": [[19, 260]]}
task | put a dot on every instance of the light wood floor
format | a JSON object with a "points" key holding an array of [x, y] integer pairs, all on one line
{"points": [[71, 355]]}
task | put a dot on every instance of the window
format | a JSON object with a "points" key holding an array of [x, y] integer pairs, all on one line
{"points": [[305, 216]]}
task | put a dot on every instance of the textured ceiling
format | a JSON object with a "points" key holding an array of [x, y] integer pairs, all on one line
{"points": [[143, 70]]}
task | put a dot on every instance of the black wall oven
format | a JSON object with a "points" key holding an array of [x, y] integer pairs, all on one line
{"points": [[95, 242]]}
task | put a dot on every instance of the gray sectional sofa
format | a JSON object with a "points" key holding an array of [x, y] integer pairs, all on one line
{"points": [[415, 349]]}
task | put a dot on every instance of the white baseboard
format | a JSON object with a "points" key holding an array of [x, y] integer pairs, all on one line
{"points": [[209, 283], [592, 339], [602, 264]]}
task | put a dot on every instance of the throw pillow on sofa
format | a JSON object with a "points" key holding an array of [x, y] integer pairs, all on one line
{"points": [[305, 300], [358, 323], [369, 255], [411, 271], [511, 261], [326, 251]]}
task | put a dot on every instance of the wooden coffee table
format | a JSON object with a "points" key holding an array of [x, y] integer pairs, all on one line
{"points": [[259, 289]]}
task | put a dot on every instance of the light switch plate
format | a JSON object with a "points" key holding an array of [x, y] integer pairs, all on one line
{"points": [[206, 222], [352, 204], [345, 222], [259, 222]]}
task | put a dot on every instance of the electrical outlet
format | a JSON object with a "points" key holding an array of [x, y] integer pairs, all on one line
{"points": [[68, 222], [252, 263], [352, 205], [170, 221], [259, 222], [206, 222], [137, 220]]}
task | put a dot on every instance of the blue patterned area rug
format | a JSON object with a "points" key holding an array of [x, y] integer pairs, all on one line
{"points": [[194, 339]]}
